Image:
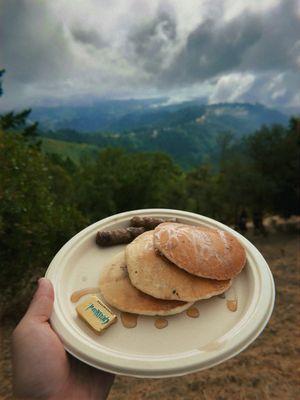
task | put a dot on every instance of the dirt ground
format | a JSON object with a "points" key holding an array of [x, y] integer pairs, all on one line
{"points": [[268, 369]]}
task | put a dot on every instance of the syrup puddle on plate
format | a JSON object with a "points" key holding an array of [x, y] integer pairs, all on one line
{"points": [[129, 320], [232, 305], [79, 293], [192, 312], [161, 323], [231, 300]]}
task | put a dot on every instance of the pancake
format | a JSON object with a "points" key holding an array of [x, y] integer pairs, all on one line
{"points": [[157, 276], [206, 252], [118, 291]]}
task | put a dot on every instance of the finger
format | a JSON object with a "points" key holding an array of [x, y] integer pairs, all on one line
{"points": [[42, 303]]}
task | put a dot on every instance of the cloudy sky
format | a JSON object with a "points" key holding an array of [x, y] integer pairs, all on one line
{"points": [[62, 51]]}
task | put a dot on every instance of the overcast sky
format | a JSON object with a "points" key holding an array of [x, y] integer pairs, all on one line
{"points": [[74, 51]]}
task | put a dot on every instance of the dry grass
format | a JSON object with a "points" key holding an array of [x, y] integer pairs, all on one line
{"points": [[268, 369]]}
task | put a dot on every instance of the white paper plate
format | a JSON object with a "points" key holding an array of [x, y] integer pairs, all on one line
{"points": [[186, 344]]}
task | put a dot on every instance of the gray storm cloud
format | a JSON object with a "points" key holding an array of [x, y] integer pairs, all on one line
{"points": [[48, 54], [211, 49], [249, 42], [34, 46], [279, 45], [152, 44], [88, 37]]}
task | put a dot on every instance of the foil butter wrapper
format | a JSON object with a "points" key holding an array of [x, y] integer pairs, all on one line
{"points": [[96, 314]]}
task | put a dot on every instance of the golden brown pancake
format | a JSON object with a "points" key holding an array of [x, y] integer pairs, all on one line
{"points": [[117, 290], [157, 276], [206, 252]]}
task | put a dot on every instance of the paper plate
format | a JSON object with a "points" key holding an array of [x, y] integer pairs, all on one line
{"points": [[186, 344]]}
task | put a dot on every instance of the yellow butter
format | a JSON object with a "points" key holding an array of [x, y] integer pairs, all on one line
{"points": [[96, 314]]}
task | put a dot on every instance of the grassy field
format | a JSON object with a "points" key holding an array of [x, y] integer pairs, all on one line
{"points": [[72, 150], [268, 369]]}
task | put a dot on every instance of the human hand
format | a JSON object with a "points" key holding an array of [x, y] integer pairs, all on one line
{"points": [[41, 367]]}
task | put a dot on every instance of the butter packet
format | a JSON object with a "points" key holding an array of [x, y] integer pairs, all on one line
{"points": [[96, 314]]}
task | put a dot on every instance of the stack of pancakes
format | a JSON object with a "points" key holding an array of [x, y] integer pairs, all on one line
{"points": [[164, 271]]}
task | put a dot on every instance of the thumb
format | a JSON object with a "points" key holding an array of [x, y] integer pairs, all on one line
{"points": [[42, 302]]}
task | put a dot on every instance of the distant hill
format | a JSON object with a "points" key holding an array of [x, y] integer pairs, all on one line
{"points": [[124, 115], [98, 116], [188, 131]]}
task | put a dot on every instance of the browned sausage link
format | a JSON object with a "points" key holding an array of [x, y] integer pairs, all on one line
{"points": [[149, 222], [118, 236]]}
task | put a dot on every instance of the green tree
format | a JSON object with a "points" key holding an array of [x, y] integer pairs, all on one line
{"points": [[17, 121], [120, 181], [275, 153], [203, 192], [2, 71], [34, 220]]}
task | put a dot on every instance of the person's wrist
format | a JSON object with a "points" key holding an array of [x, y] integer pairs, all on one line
{"points": [[98, 391]]}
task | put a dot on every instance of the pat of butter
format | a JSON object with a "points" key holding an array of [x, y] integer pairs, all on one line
{"points": [[96, 314]]}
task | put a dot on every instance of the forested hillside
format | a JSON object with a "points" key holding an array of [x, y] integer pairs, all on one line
{"points": [[188, 132]]}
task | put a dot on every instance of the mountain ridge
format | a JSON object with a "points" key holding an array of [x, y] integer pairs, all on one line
{"points": [[189, 132], [124, 115]]}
